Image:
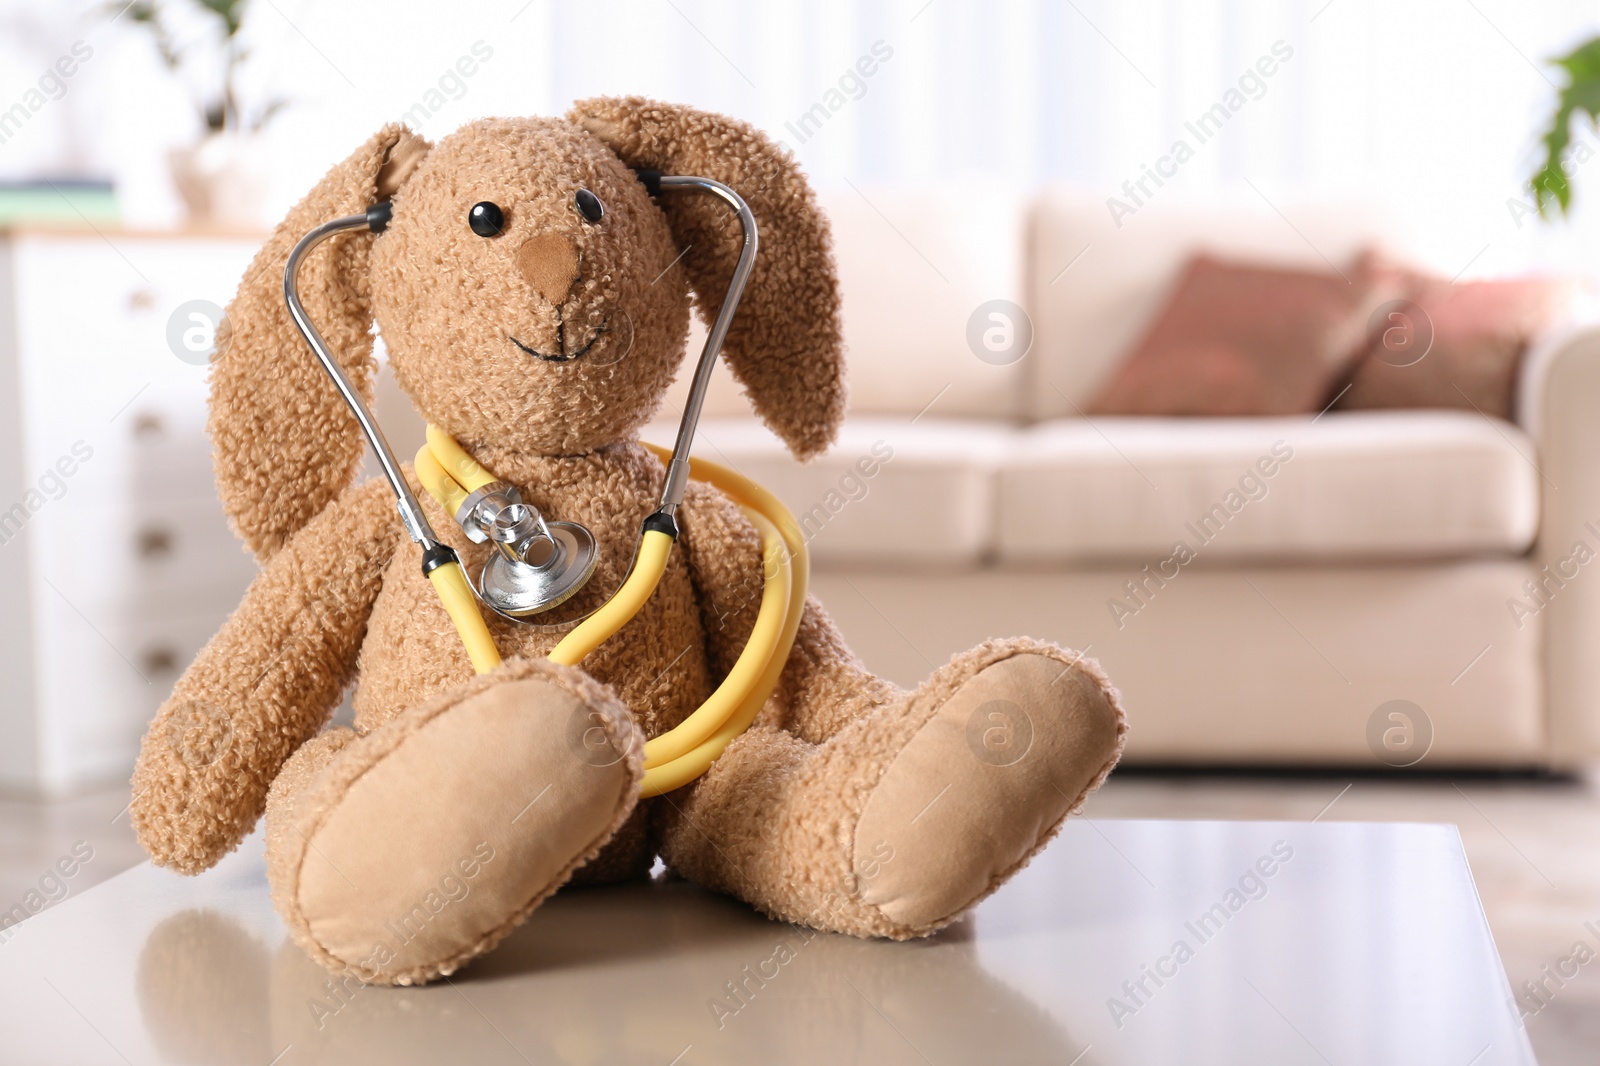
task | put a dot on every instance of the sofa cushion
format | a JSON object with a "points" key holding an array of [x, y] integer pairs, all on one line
{"points": [[890, 492], [915, 266], [1370, 484]]}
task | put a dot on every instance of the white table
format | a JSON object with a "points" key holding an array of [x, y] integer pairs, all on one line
{"points": [[1366, 946]]}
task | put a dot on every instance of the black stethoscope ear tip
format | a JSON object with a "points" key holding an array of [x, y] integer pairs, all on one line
{"points": [[378, 216], [650, 178]]}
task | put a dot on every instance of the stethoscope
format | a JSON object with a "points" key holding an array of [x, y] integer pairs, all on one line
{"points": [[538, 564]]}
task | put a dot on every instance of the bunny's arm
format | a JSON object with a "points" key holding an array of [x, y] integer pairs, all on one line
{"points": [[264, 685], [824, 686]]}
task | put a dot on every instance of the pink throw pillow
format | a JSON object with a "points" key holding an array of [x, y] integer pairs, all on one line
{"points": [[1243, 339], [1454, 345]]}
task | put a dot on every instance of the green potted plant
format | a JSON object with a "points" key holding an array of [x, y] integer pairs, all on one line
{"points": [[220, 177], [1552, 185]]}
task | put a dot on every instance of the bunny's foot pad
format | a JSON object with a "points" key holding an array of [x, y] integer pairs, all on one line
{"points": [[400, 855], [987, 780]]}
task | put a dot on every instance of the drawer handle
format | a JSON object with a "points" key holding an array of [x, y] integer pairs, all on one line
{"points": [[161, 659], [154, 543], [148, 427]]}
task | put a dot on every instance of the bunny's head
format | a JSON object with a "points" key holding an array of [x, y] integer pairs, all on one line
{"points": [[533, 297]]}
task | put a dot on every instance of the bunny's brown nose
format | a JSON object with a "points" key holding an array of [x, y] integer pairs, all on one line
{"points": [[550, 263]]}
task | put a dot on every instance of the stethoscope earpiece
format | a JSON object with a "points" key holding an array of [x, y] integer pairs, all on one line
{"points": [[378, 216]]}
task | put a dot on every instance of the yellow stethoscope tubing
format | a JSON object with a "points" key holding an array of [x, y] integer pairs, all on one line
{"points": [[655, 548], [682, 754], [440, 485], [688, 767], [455, 462], [747, 669], [450, 582]]}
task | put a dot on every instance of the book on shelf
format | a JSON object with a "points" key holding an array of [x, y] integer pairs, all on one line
{"points": [[58, 201]]}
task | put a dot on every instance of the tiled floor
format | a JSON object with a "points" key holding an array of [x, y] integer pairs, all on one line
{"points": [[1534, 847]]}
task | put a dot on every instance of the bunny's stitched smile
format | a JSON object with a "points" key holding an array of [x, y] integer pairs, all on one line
{"points": [[561, 343]]}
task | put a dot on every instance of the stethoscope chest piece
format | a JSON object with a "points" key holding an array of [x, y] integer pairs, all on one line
{"points": [[519, 589], [536, 565]]}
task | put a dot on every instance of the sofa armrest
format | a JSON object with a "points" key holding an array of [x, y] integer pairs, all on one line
{"points": [[1559, 407]]}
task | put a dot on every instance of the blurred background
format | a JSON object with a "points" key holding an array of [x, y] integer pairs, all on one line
{"points": [[1431, 109], [1032, 201]]}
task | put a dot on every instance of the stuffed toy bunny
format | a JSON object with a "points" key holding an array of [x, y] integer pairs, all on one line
{"points": [[399, 850]]}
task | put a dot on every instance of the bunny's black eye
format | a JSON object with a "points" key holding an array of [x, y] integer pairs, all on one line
{"points": [[589, 206], [486, 219]]}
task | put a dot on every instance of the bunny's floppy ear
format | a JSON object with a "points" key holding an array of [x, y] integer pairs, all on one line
{"points": [[784, 346], [284, 444]]}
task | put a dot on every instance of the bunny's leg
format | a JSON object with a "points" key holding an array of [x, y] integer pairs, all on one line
{"points": [[400, 855], [853, 806], [856, 809]]}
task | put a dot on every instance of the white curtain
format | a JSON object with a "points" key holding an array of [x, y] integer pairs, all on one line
{"points": [[1428, 108]]}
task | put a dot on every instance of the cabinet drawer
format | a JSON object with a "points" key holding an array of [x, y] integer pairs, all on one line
{"points": [[92, 319], [99, 686], [148, 556], [153, 453]]}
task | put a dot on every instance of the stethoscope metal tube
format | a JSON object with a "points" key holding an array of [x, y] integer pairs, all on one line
{"points": [[678, 469], [375, 219]]}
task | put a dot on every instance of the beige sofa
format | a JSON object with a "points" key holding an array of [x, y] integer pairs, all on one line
{"points": [[1333, 564]]}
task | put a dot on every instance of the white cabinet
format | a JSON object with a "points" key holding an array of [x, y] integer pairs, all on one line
{"points": [[116, 563]]}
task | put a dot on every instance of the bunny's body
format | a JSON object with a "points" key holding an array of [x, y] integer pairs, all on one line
{"points": [[405, 847], [408, 619]]}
